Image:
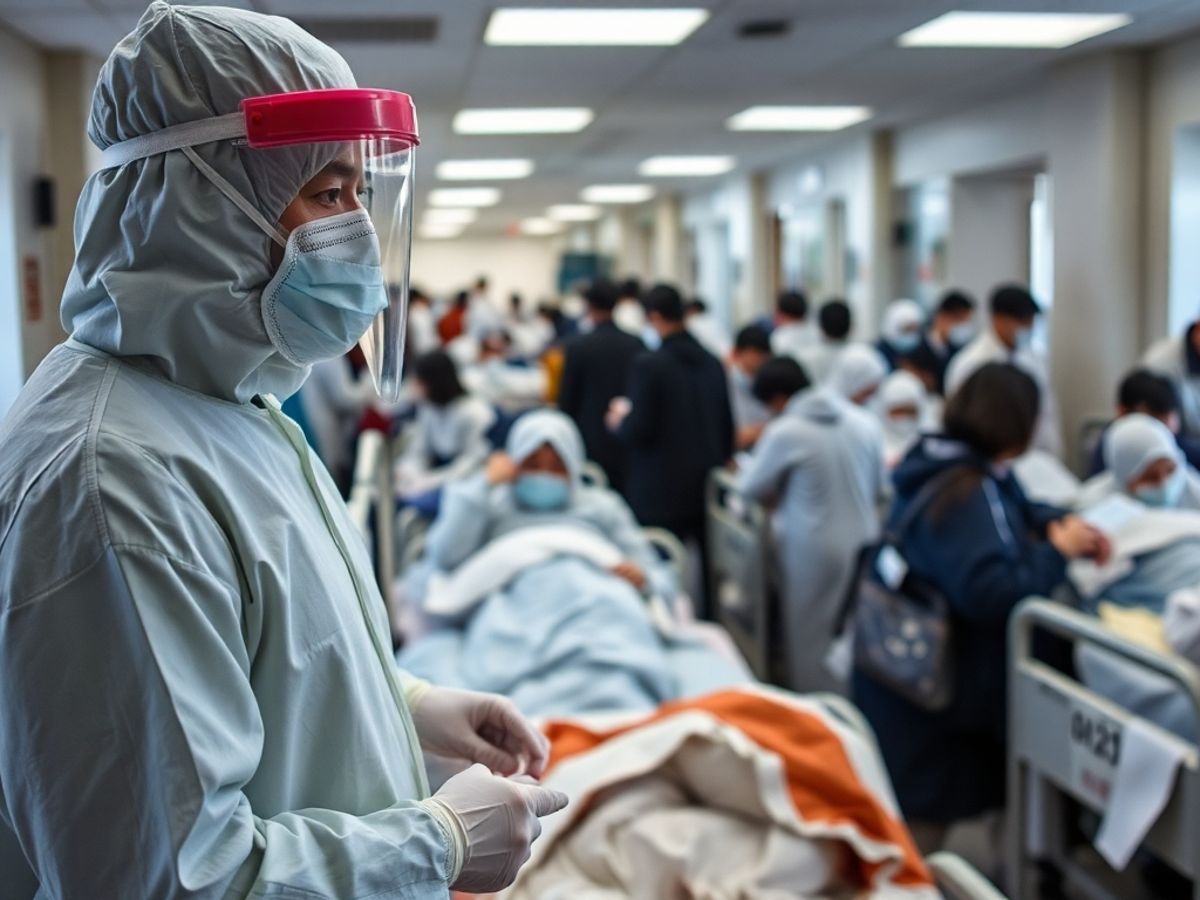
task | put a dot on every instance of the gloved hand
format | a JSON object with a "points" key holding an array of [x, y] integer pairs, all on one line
{"points": [[480, 728], [497, 821]]}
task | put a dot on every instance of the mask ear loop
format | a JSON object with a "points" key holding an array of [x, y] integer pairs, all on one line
{"points": [[235, 197]]}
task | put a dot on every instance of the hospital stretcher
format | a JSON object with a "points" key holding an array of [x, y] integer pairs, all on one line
{"points": [[742, 572], [1065, 748]]}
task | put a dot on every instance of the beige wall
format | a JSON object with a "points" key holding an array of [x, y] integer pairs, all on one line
{"points": [[525, 265]]}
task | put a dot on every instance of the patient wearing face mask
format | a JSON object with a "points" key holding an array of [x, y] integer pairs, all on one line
{"points": [[538, 480], [1149, 500]]}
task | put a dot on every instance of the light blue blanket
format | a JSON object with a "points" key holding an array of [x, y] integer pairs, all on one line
{"points": [[565, 638]]}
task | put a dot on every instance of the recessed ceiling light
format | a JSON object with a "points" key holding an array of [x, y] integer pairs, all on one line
{"points": [[617, 193], [1012, 29], [797, 118], [574, 212], [464, 197], [686, 166], [450, 216], [544, 120], [483, 169], [628, 27], [438, 231], [538, 225]]}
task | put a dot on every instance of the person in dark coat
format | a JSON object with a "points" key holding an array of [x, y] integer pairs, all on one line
{"points": [[986, 547], [1144, 391], [677, 424], [595, 370], [952, 328]]}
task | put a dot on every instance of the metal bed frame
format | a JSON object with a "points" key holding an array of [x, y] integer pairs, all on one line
{"points": [[741, 571], [1065, 738]]}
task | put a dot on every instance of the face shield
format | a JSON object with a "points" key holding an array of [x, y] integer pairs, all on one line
{"points": [[338, 278]]}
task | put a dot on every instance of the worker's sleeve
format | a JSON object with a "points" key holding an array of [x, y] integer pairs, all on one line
{"points": [[131, 731], [463, 523], [642, 424], [778, 451]]}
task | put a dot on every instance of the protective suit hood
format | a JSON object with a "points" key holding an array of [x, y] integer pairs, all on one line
{"points": [[547, 426], [167, 269], [1134, 443]]}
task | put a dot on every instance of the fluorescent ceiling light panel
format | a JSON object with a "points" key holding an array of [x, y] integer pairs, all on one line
{"points": [[685, 166], [797, 118], [450, 216], [629, 27], [483, 196], [438, 231], [484, 169], [617, 193], [1012, 29], [538, 120], [539, 225], [574, 212]]}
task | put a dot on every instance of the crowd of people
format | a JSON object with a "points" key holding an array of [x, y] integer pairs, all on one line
{"points": [[937, 424]]}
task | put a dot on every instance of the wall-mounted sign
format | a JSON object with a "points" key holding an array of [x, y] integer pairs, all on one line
{"points": [[31, 290]]}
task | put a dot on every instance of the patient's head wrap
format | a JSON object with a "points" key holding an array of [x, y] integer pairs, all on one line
{"points": [[1134, 443], [856, 369], [902, 389], [548, 426]]}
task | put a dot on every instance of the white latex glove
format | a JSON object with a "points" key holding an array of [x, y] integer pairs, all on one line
{"points": [[479, 728], [496, 820]]}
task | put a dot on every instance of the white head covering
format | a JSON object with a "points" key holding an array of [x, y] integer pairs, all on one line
{"points": [[548, 426], [166, 268], [900, 317], [855, 369], [901, 389], [1136, 441]]}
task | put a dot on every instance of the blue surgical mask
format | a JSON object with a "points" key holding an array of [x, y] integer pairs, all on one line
{"points": [[905, 342], [1166, 495], [651, 338], [961, 335], [328, 290], [1023, 340], [541, 493]]}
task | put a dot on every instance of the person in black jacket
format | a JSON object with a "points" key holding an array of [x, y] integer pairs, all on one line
{"points": [[595, 370], [985, 547], [952, 328], [677, 424]]}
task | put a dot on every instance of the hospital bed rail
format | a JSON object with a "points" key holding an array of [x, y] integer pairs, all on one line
{"points": [[1064, 750], [741, 574], [371, 501]]}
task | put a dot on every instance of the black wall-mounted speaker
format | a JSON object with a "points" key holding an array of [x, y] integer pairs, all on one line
{"points": [[43, 202]]}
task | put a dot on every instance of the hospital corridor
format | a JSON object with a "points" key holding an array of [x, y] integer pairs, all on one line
{"points": [[600, 450]]}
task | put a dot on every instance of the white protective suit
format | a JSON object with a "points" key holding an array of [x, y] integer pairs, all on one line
{"points": [[823, 459], [474, 512], [195, 682]]}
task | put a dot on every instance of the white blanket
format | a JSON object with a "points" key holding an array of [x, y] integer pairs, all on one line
{"points": [[1134, 530], [493, 567]]}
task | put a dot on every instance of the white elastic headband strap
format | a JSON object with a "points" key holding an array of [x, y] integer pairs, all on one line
{"points": [[185, 137], [175, 137]]}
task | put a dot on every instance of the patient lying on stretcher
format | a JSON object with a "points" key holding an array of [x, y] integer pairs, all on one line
{"points": [[542, 588], [1148, 501]]}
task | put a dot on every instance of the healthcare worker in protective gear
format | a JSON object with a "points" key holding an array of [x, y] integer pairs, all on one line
{"points": [[197, 694], [538, 481], [901, 332], [1143, 461], [820, 462], [856, 374]]}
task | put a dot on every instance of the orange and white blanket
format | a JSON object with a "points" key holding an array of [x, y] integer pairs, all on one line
{"points": [[747, 793]]}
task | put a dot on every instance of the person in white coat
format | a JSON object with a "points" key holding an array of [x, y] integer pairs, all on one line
{"points": [[197, 695], [793, 332], [1009, 338], [1179, 359], [820, 464]]}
